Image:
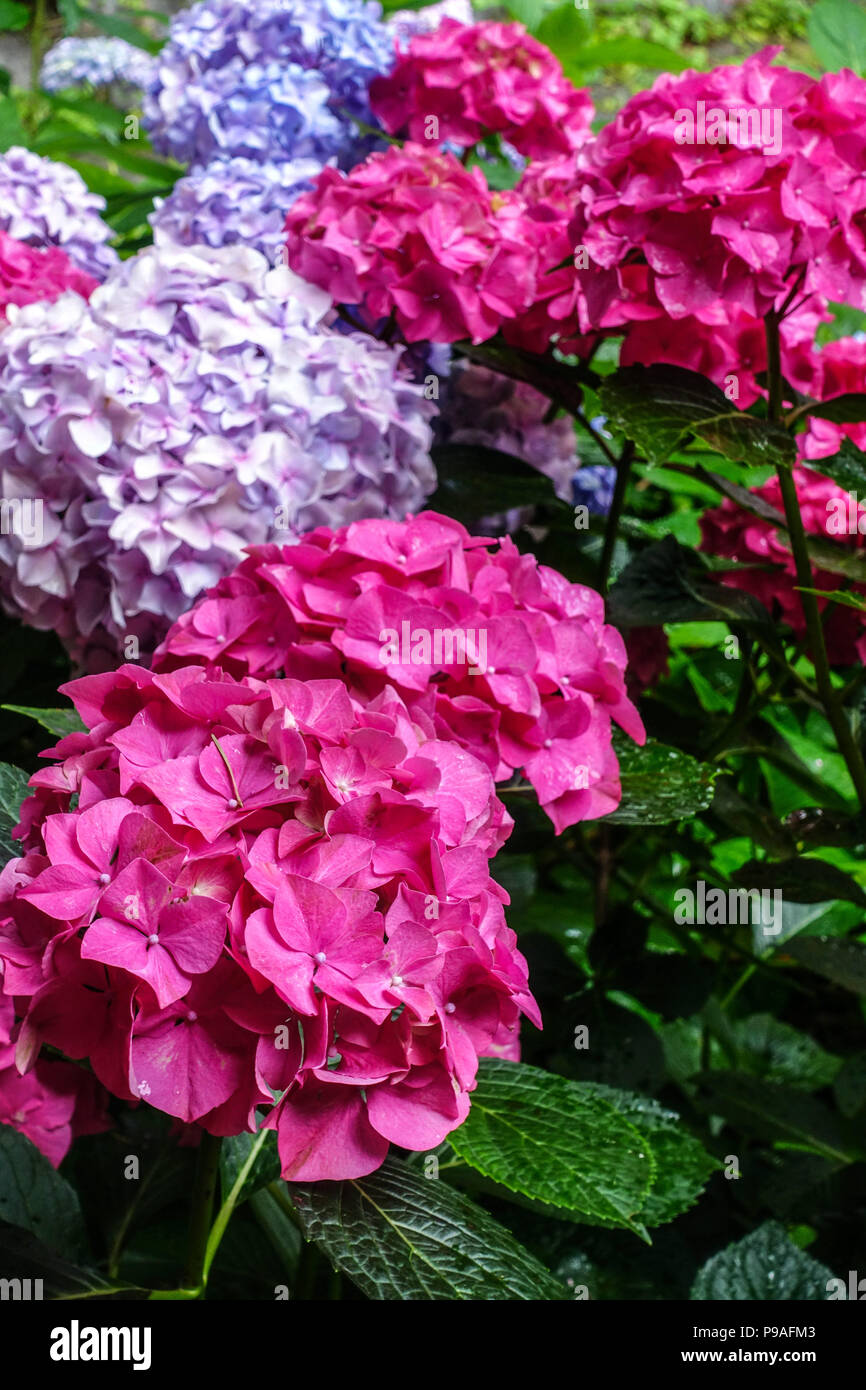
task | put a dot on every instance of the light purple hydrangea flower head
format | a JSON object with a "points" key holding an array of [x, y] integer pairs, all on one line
{"points": [[231, 201], [200, 403], [405, 24], [98, 62], [276, 80], [45, 203]]}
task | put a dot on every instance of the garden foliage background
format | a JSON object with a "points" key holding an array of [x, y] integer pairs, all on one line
{"points": [[691, 1120]]}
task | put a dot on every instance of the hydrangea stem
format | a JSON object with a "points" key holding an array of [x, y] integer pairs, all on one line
{"points": [[623, 469], [37, 42], [201, 1210], [817, 647]]}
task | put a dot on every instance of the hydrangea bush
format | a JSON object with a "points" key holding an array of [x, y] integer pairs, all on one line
{"points": [[433, 793]]}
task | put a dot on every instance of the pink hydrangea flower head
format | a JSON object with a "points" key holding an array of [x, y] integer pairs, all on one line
{"points": [[412, 233], [28, 275], [742, 185], [258, 890], [504, 658], [483, 79]]}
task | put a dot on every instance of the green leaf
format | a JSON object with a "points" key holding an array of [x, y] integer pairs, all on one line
{"points": [[777, 1052], [120, 29], [70, 13], [403, 1237], [565, 31], [802, 880], [12, 131], [835, 596], [528, 12], [278, 1226], [609, 53], [557, 1142], [659, 784], [13, 790], [847, 468], [849, 1087], [31, 1259], [764, 1265], [13, 15], [682, 1165], [659, 407], [56, 721], [835, 958], [668, 583], [475, 481], [35, 1197], [849, 409], [837, 33], [235, 1154], [776, 1113]]}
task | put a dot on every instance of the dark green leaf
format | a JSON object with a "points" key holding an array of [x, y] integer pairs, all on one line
{"points": [[555, 1141], [682, 1165], [776, 1113], [13, 789], [35, 1197], [802, 880], [56, 721], [668, 583], [847, 468], [13, 15], [659, 784], [22, 1256], [401, 1236], [764, 1265], [658, 407], [834, 957], [475, 481], [235, 1153], [849, 409]]}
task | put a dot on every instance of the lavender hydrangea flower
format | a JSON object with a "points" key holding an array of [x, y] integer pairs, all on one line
{"points": [[45, 203], [233, 200], [99, 62], [592, 487], [199, 404], [228, 67], [405, 24]]}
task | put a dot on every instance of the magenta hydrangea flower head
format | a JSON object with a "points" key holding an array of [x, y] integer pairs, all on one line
{"points": [[45, 203], [200, 404], [478, 80], [265, 893], [28, 276], [413, 233], [743, 185], [508, 660]]}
